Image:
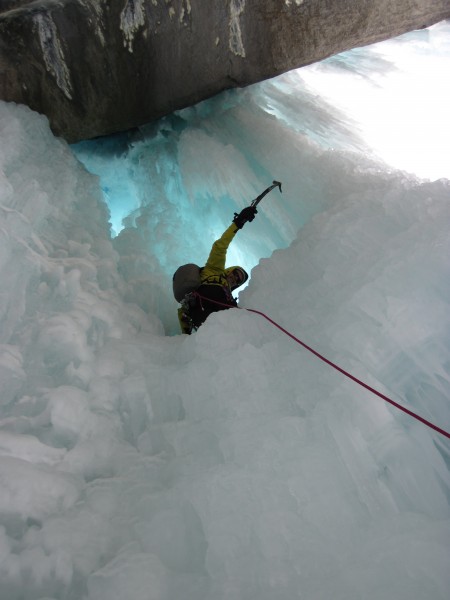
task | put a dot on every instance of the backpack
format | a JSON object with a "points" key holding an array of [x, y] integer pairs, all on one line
{"points": [[186, 279]]}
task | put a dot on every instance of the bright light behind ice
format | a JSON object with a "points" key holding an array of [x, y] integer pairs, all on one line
{"points": [[137, 463], [387, 100], [401, 109]]}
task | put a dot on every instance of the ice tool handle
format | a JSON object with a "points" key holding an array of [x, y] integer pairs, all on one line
{"points": [[257, 200]]}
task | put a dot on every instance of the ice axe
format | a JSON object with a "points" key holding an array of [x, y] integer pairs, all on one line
{"points": [[257, 200]]}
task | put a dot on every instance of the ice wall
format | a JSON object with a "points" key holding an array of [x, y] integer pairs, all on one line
{"points": [[183, 177], [230, 464]]}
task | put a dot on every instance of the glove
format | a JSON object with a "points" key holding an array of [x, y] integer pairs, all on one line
{"points": [[247, 214]]}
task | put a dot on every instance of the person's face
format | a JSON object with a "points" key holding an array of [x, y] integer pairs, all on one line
{"points": [[235, 278]]}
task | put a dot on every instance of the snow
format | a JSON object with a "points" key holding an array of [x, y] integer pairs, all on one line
{"points": [[230, 464]]}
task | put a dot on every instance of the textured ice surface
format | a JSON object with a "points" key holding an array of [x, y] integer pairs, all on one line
{"points": [[231, 464]]}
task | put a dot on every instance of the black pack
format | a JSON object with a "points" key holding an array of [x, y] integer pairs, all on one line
{"points": [[186, 279]]}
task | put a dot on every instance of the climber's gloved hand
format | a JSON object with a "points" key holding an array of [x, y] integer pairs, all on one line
{"points": [[247, 214]]}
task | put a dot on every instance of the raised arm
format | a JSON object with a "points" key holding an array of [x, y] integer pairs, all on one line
{"points": [[217, 257]]}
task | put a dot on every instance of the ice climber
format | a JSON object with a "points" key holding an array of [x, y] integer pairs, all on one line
{"points": [[210, 288]]}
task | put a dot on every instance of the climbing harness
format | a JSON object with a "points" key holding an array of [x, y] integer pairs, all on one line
{"points": [[346, 373]]}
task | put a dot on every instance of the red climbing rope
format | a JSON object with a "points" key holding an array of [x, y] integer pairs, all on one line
{"points": [[332, 364]]}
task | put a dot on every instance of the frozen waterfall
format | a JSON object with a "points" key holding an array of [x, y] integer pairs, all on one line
{"points": [[136, 463]]}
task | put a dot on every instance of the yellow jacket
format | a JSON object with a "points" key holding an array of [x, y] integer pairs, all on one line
{"points": [[214, 272]]}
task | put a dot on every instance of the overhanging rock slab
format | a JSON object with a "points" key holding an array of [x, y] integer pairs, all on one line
{"points": [[99, 66]]}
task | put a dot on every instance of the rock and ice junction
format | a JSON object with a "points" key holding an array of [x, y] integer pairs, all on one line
{"points": [[136, 463]]}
